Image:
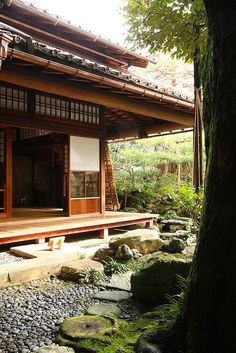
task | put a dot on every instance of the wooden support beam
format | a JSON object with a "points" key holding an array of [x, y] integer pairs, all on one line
{"points": [[58, 86], [17, 119], [134, 132]]}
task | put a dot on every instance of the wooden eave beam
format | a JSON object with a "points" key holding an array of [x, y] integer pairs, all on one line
{"points": [[60, 87], [121, 85]]}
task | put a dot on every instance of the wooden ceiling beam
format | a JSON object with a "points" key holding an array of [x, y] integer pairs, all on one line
{"points": [[53, 85], [134, 132]]}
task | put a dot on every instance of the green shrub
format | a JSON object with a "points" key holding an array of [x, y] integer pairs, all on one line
{"points": [[91, 275], [114, 267]]}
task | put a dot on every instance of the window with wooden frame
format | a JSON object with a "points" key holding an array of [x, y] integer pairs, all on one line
{"points": [[62, 108], [13, 98], [84, 184]]}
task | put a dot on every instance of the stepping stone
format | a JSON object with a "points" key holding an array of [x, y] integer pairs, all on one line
{"points": [[113, 296], [120, 281], [107, 310], [55, 349]]}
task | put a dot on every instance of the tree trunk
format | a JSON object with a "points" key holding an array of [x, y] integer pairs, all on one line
{"points": [[210, 308], [197, 132]]}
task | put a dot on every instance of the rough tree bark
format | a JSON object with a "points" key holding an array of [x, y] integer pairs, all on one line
{"points": [[210, 309]]}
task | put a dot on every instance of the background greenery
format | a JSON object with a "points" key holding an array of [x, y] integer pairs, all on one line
{"points": [[155, 175]]}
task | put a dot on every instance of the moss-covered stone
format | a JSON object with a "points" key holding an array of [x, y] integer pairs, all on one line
{"points": [[154, 283], [122, 338], [87, 326]]}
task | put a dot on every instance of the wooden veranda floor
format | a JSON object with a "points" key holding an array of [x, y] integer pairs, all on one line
{"points": [[30, 224]]}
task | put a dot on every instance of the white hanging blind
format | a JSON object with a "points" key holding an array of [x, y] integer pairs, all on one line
{"points": [[84, 154]]}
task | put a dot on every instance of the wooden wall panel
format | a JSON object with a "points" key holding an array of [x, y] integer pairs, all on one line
{"points": [[82, 206]]}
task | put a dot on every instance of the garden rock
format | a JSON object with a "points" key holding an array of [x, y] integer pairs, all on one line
{"points": [[143, 240], [104, 255], [136, 254], [113, 296], [123, 252], [158, 280], [175, 246], [76, 268], [183, 234], [106, 310]]}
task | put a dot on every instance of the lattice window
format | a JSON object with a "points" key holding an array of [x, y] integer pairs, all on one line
{"points": [[26, 134], [61, 108], [13, 98]]}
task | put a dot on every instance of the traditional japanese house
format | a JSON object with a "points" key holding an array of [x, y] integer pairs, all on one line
{"points": [[63, 93]]}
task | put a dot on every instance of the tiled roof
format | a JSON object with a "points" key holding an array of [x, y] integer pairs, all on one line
{"points": [[25, 14], [24, 42]]}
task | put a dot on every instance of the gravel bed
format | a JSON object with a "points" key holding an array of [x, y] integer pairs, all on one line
{"points": [[7, 258], [30, 315]]}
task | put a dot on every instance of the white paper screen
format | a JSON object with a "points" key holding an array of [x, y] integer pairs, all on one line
{"points": [[84, 154]]}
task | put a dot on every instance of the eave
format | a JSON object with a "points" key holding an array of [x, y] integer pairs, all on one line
{"points": [[58, 32]]}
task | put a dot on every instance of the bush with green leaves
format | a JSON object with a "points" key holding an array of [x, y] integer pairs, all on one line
{"points": [[113, 266], [90, 275]]}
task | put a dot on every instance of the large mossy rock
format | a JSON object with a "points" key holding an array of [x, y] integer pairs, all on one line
{"points": [[144, 240], [104, 336], [155, 282]]}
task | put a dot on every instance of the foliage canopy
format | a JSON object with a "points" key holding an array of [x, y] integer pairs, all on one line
{"points": [[176, 26]]}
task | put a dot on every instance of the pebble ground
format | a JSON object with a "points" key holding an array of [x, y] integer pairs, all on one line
{"points": [[7, 258], [30, 315]]}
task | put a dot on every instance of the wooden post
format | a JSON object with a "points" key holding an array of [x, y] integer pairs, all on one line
{"points": [[103, 233], [149, 224], [40, 241], [8, 163], [102, 167]]}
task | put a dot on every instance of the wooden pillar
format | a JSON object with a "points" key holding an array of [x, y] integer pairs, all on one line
{"points": [[8, 190], [102, 165], [102, 177]]}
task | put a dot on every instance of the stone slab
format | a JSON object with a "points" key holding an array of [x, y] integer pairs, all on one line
{"points": [[113, 296], [120, 281], [80, 265], [107, 310], [32, 269], [41, 250]]}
